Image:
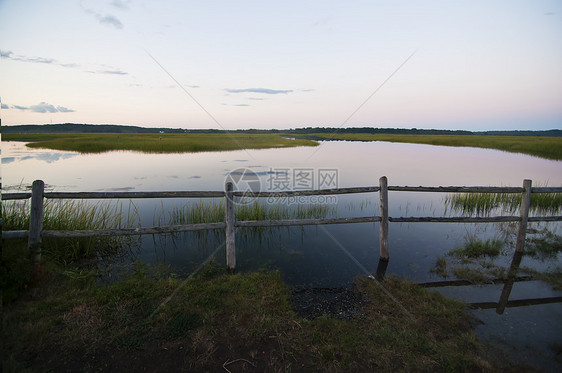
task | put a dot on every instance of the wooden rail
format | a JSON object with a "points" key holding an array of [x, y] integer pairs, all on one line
{"points": [[37, 195]]}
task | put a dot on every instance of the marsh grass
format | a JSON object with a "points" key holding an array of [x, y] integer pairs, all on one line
{"points": [[544, 245], [486, 203], [475, 248], [540, 146], [72, 215], [214, 317], [157, 143], [471, 261], [440, 267], [553, 277], [475, 260], [212, 211]]}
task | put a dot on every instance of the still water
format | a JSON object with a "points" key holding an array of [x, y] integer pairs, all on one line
{"points": [[326, 256]]}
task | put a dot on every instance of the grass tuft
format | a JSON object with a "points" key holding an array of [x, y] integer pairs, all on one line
{"points": [[475, 248]]}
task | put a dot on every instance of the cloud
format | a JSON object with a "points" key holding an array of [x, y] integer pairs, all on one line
{"points": [[43, 60], [42, 107], [4, 106], [241, 105], [120, 4], [15, 57], [62, 109], [256, 98], [260, 90], [113, 72], [307, 90], [109, 20]]}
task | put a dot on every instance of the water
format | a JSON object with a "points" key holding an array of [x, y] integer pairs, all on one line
{"points": [[321, 256]]}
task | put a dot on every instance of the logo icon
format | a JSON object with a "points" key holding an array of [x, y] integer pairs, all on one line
{"points": [[246, 181]]}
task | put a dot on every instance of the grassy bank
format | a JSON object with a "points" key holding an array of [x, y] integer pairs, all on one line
{"points": [[156, 143], [540, 146], [240, 322]]}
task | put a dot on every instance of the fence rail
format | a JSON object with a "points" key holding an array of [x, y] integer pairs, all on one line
{"points": [[37, 195]]}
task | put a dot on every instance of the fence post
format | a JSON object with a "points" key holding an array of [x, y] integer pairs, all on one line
{"points": [[36, 220], [229, 218], [524, 213], [384, 219]]}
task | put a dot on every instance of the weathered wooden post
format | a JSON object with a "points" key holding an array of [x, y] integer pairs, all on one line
{"points": [[36, 220], [524, 213], [229, 218], [384, 218]]}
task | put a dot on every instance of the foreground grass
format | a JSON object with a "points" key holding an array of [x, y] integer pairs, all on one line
{"points": [[540, 146], [156, 143], [242, 322]]}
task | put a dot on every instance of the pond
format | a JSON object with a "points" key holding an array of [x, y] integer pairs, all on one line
{"points": [[329, 256]]}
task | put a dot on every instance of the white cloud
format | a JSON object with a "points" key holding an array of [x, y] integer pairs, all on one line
{"points": [[260, 90]]}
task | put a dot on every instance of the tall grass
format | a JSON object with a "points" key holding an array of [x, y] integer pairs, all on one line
{"points": [[213, 211], [72, 215], [486, 203]]}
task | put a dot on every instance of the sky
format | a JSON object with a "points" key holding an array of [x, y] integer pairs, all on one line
{"points": [[474, 65]]}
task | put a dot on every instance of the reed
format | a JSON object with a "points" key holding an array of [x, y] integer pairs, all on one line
{"points": [[213, 211], [486, 203], [72, 215]]}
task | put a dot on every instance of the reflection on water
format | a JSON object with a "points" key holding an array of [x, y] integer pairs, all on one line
{"points": [[309, 256]]}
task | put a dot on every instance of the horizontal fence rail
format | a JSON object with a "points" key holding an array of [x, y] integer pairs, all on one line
{"points": [[35, 232], [318, 192]]}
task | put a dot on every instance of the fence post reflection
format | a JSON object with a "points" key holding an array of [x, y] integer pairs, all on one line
{"points": [[511, 275]]}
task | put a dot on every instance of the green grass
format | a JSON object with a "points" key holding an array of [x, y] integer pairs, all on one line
{"points": [[216, 318], [213, 211], [544, 244], [156, 143], [553, 277], [540, 146], [440, 267], [71, 215], [472, 261], [475, 248], [485, 203]]}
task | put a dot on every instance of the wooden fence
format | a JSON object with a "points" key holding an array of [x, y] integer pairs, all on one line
{"points": [[35, 232]]}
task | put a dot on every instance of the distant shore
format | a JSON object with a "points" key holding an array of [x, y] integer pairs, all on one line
{"points": [[86, 138]]}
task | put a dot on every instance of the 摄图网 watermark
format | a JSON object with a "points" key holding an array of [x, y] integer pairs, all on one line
{"points": [[284, 179]]}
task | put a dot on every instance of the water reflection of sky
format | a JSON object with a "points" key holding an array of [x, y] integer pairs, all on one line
{"points": [[18, 152], [358, 164]]}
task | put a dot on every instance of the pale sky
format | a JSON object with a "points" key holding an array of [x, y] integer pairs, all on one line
{"points": [[476, 65]]}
